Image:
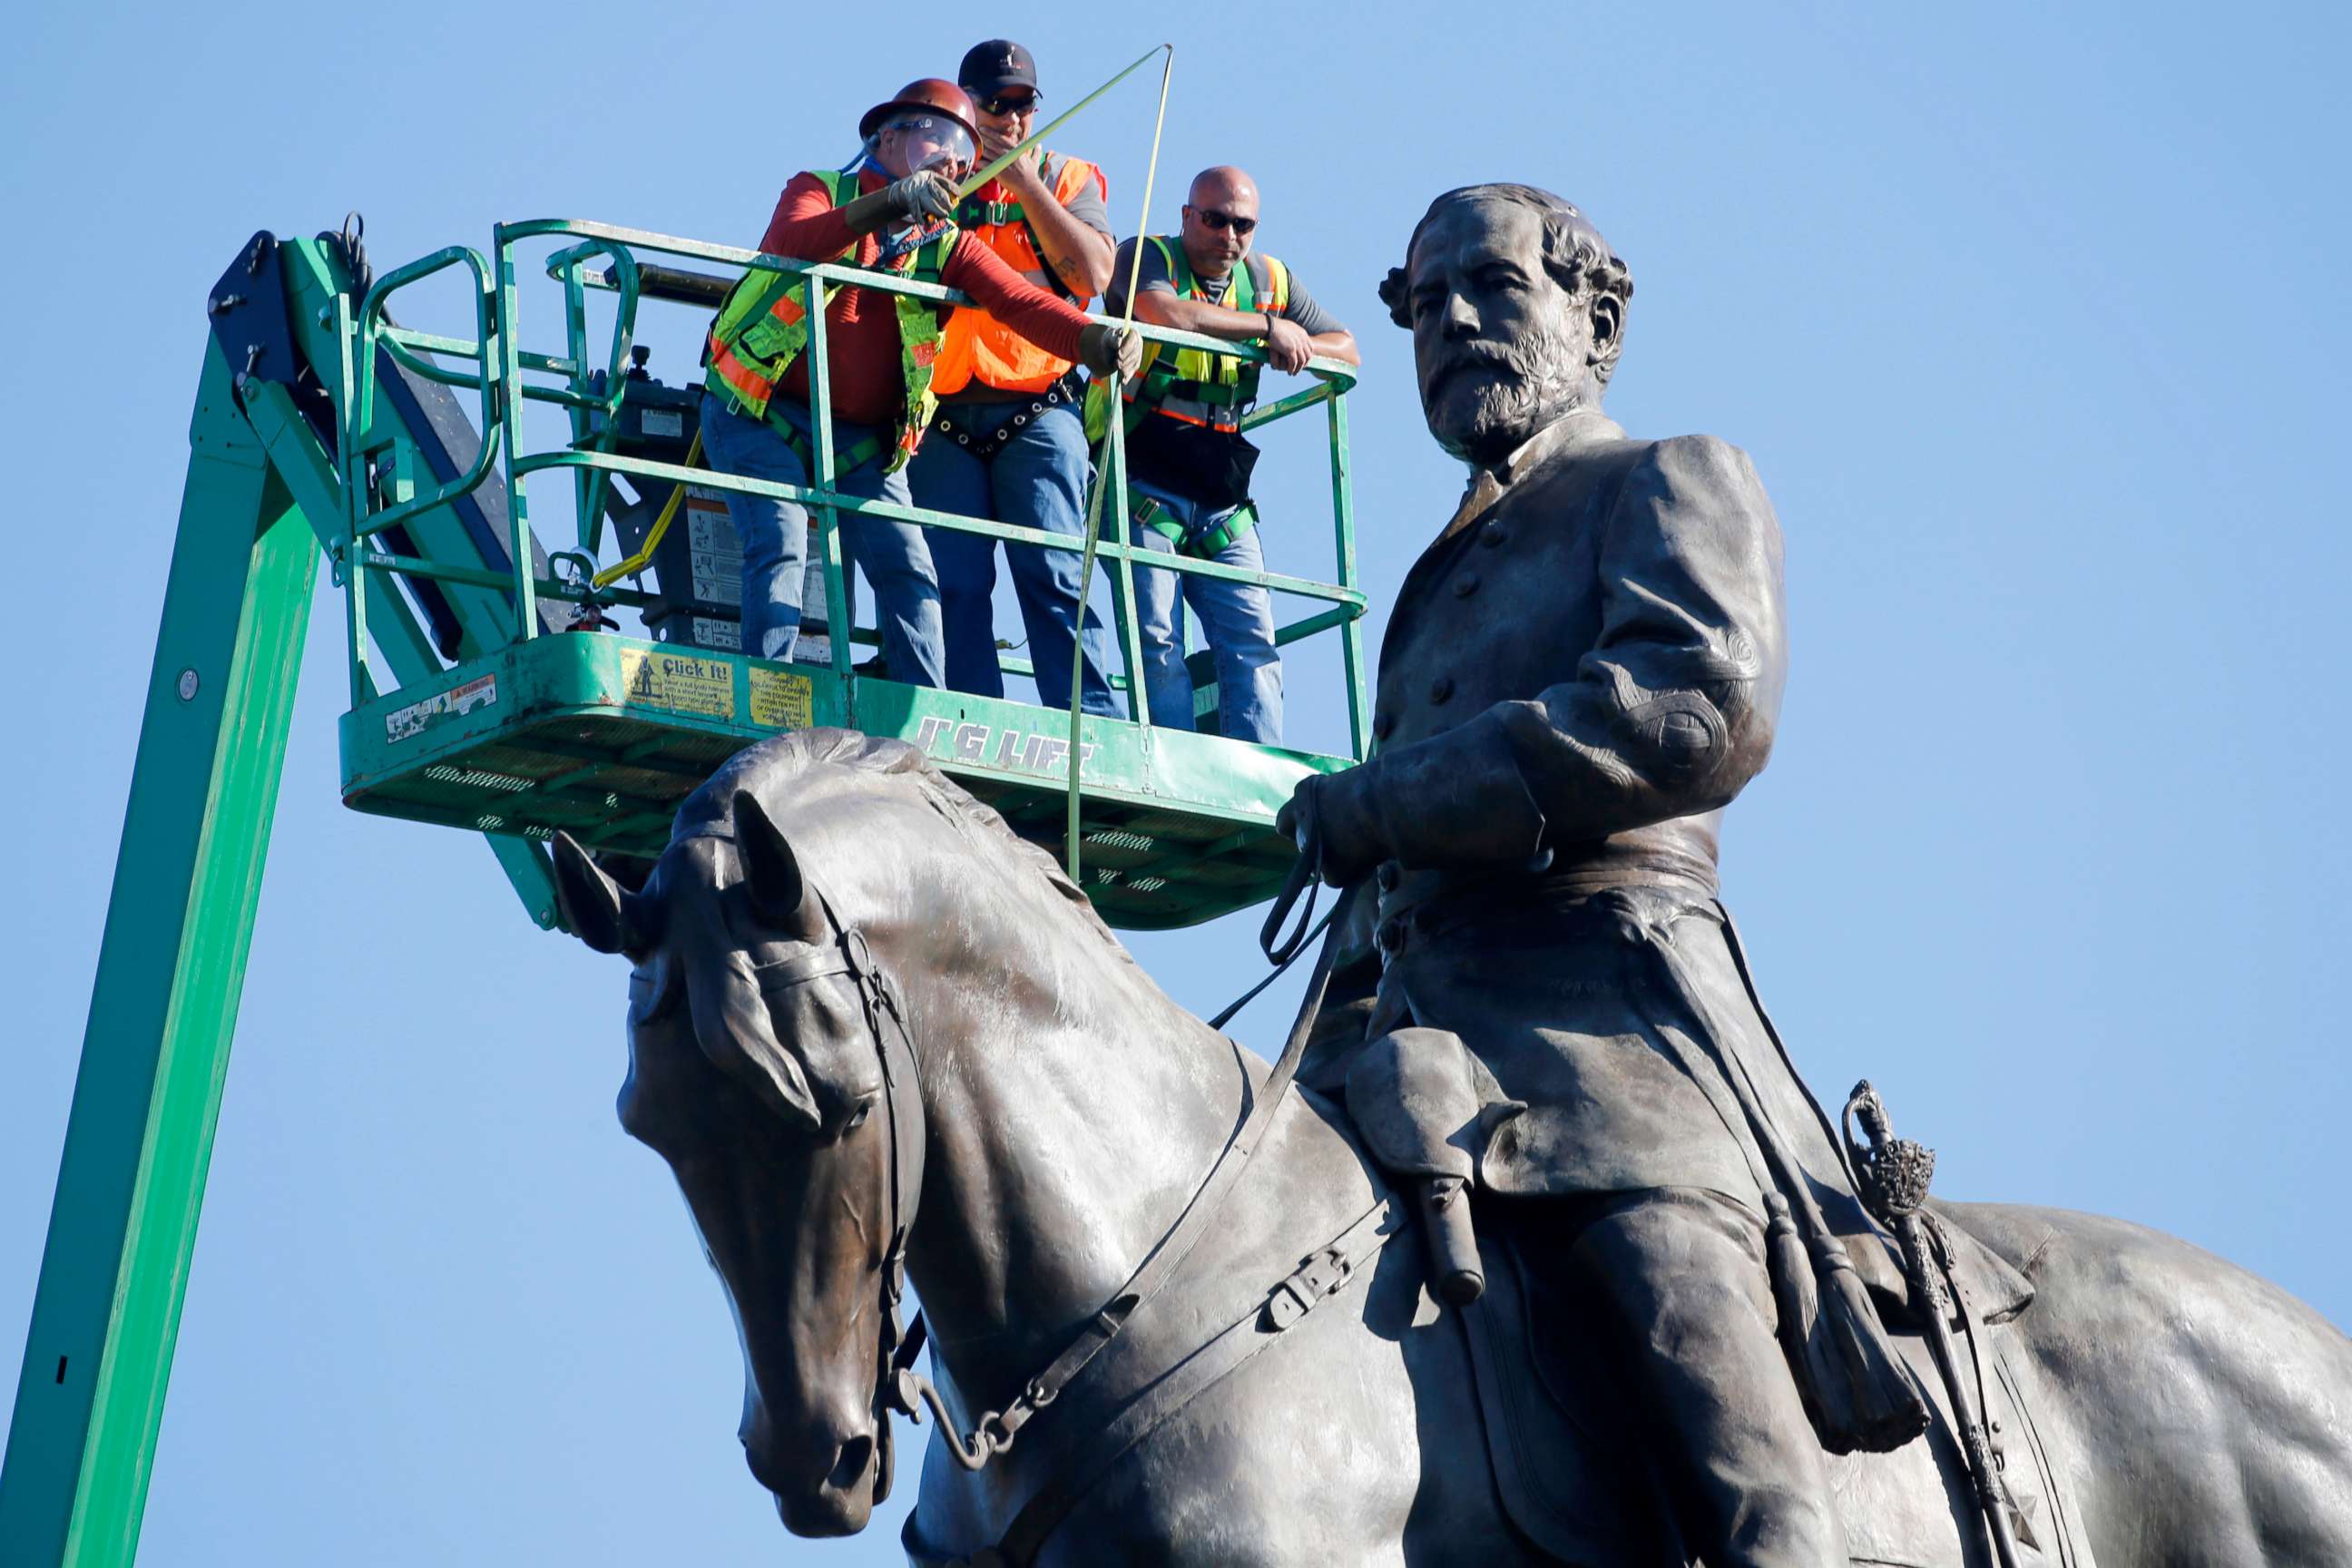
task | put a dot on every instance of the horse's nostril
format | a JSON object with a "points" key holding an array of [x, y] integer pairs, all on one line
{"points": [[849, 1468]]}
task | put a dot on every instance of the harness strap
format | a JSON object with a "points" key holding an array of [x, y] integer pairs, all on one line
{"points": [[1329, 1272], [858, 455], [1206, 543]]}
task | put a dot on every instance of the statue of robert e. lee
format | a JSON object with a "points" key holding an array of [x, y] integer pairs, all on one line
{"points": [[1581, 671]]}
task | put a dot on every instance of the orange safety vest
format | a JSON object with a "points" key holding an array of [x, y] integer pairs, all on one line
{"points": [[978, 344]]}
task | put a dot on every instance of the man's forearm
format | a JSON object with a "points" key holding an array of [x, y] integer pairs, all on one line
{"points": [[1079, 256], [1164, 309], [1340, 345]]}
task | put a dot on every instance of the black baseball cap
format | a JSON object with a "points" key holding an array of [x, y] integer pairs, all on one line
{"points": [[990, 68]]}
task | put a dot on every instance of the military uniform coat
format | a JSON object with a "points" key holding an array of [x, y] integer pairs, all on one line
{"points": [[1577, 678]]}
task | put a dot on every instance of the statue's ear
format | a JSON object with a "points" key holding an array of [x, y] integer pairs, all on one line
{"points": [[1608, 321], [1393, 295], [773, 872], [594, 906]]}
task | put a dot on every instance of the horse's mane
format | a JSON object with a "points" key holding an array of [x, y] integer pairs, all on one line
{"points": [[770, 769]]}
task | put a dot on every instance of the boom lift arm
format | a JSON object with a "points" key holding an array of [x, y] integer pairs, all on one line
{"points": [[262, 498]]}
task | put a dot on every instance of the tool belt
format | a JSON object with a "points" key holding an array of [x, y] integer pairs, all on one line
{"points": [[1070, 389], [1203, 543], [1195, 460]]}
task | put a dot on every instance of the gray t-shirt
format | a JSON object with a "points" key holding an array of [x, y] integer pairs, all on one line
{"points": [[1311, 318], [1086, 204]]}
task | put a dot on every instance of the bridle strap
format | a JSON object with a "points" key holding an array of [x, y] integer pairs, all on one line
{"points": [[848, 954]]}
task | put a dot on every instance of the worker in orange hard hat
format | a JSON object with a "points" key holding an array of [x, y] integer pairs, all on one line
{"points": [[888, 213], [1008, 442]]}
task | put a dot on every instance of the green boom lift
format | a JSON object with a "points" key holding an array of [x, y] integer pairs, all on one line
{"points": [[478, 702]]}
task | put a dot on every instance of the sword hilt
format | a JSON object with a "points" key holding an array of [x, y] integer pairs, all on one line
{"points": [[1891, 1175]]}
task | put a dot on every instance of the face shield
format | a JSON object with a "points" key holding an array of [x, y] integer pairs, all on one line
{"points": [[933, 142]]}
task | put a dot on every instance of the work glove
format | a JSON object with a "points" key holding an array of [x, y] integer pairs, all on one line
{"points": [[1105, 347], [925, 195]]}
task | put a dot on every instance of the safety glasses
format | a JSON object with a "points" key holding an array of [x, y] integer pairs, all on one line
{"points": [[1221, 220], [1004, 108], [933, 138]]}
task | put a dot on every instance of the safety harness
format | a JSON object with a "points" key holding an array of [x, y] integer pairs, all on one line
{"points": [[764, 327], [977, 216], [1195, 386], [1208, 391]]}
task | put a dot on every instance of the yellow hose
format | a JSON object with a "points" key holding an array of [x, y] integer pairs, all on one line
{"points": [[643, 557]]}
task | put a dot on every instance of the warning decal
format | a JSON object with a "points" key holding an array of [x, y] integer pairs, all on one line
{"points": [[780, 700], [679, 682], [402, 723]]}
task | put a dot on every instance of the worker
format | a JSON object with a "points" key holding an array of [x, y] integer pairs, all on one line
{"points": [[1188, 463], [1009, 442], [891, 213]]}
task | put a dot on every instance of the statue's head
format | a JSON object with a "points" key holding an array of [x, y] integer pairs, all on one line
{"points": [[1517, 308]]}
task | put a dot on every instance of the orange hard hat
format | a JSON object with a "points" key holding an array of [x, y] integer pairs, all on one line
{"points": [[932, 95]]}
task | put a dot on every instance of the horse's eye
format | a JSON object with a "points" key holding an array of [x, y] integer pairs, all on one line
{"points": [[857, 1117]]}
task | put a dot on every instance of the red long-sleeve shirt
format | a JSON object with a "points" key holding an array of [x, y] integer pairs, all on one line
{"points": [[862, 327]]}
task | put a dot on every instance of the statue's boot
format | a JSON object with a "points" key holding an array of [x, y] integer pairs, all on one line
{"points": [[1676, 1280]]}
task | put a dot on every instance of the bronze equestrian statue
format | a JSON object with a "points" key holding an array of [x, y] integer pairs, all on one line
{"points": [[881, 1040], [1579, 674]]}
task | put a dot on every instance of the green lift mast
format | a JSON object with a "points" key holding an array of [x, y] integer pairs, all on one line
{"points": [[323, 427]]}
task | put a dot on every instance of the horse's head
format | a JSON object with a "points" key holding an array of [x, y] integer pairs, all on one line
{"points": [[761, 1049]]}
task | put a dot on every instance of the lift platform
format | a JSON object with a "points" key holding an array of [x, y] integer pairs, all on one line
{"points": [[492, 691], [603, 735]]}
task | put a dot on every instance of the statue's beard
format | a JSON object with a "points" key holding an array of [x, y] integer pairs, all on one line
{"points": [[1502, 395]]}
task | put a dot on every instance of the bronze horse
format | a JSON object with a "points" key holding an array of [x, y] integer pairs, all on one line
{"points": [[865, 1017]]}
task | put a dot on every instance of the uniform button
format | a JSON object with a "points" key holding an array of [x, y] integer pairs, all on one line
{"points": [[1493, 536], [1391, 936], [1465, 585], [1441, 688], [1387, 876], [1382, 724]]}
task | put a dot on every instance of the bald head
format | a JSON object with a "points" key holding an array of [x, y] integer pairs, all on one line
{"points": [[1222, 183], [1219, 215]]}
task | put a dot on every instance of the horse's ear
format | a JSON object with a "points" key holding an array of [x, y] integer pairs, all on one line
{"points": [[594, 907], [773, 872]]}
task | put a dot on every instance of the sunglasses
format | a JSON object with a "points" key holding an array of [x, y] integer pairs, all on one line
{"points": [[1221, 220], [1004, 107]]}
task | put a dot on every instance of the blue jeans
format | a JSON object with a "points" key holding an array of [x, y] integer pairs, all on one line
{"points": [[774, 534], [1037, 481], [1238, 617]]}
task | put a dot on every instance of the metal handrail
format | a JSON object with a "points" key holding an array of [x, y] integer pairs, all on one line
{"points": [[371, 330], [586, 409], [504, 365]]}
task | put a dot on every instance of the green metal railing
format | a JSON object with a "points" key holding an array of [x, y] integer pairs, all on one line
{"points": [[381, 494]]}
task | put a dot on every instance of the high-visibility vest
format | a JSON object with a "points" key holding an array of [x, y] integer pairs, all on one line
{"points": [[981, 347], [764, 327], [1194, 384]]}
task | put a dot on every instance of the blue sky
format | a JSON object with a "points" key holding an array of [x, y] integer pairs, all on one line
{"points": [[2033, 318]]}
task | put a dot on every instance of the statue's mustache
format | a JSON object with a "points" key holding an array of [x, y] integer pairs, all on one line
{"points": [[1475, 356]]}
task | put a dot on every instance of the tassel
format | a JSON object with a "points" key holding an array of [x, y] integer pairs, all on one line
{"points": [[1887, 1409], [1860, 1395]]}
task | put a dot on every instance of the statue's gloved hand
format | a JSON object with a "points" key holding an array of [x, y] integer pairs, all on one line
{"points": [[1329, 818], [1105, 346]]}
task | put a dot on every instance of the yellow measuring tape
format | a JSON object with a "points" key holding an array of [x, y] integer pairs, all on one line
{"points": [[643, 557], [1136, 694]]}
